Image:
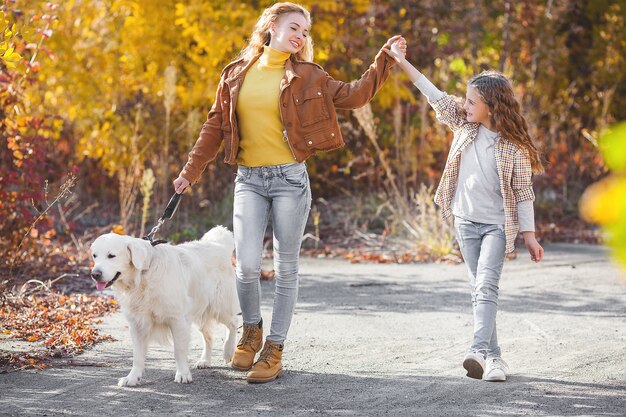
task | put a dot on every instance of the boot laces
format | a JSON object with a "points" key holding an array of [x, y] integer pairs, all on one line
{"points": [[267, 352], [248, 332]]}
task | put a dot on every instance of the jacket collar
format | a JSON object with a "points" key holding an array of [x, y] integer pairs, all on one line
{"points": [[290, 71], [241, 67]]}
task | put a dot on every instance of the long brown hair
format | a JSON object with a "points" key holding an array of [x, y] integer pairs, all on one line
{"points": [[505, 115], [261, 34]]}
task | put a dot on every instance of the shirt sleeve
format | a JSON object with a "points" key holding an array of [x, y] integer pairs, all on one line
{"points": [[358, 93], [447, 109], [526, 216], [210, 139], [521, 182], [427, 88]]}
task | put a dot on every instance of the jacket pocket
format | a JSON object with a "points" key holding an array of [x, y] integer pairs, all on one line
{"points": [[322, 141], [310, 106]]}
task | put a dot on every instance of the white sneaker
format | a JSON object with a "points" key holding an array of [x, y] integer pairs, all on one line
{"points": [[496, 370], [474, 363]]}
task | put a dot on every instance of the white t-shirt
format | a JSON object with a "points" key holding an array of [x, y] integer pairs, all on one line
{"points": [[478, 196]]}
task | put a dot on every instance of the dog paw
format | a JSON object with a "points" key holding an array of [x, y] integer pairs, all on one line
{"points": [[183, 377], [129, 381], [228, 356], [202, 364]]}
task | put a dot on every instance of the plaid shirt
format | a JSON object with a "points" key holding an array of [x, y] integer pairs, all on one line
{"points": [[512, 163]]}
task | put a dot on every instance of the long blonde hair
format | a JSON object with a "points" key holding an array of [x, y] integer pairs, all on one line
{"points": [[261, 34], [497, 92]]}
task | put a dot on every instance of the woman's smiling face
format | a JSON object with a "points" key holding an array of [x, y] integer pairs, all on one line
{"points": [[289, 33]]}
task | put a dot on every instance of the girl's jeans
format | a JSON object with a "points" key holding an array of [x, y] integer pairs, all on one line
{"points": [[483, 248], [284, 192]]}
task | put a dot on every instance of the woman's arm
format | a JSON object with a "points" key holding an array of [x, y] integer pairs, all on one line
{"points": [[206, 147], [358, 93]]}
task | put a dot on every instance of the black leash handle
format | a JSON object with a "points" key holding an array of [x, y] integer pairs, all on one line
{"points": [[172, 205]]}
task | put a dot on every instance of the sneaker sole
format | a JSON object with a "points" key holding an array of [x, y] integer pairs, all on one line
{"points": [[268, 379], [498, 378], [473, 368]]}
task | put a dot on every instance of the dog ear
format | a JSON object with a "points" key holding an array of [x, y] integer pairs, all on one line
{"points": [[139, 253]]}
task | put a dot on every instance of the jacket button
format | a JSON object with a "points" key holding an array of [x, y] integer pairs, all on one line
{"points": [[297, 101], [225, 101], [332, 134], [319, 93], [310, 142]]}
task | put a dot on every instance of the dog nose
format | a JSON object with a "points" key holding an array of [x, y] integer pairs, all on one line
{"points": [[96, 275]]}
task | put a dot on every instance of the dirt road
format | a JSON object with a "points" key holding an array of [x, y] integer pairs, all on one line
{"points": [[370, 339]]}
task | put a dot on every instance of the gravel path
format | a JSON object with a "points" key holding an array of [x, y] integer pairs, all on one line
{"points": [[371, 339]]}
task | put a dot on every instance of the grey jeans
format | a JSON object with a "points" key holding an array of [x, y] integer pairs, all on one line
{"points": [[483, 247], [284, 192]]}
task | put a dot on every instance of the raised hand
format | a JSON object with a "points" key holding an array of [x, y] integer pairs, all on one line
{"points": [[397, 48]]}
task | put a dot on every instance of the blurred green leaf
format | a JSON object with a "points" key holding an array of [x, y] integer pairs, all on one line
{"points": [[613, 146], [458, 65]]}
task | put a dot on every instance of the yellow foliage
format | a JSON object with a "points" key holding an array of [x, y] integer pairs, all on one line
{"points": [[605, 201]]}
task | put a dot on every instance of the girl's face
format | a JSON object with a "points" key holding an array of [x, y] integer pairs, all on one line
{"points": [[289, 33], [476, 109]]}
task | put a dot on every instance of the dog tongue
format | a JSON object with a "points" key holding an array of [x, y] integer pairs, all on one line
{"points": [[101, 285]]}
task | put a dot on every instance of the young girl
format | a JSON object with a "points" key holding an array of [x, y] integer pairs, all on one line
{"points": [[487, 186], [273, 109]]}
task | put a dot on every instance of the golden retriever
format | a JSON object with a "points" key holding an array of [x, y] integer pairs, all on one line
{"points": [[164, 289]]}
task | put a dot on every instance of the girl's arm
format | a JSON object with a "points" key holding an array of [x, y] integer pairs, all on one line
{"points": [[358, 93], [521, 183], [398, 52], [526, 216], [533, 247], [447, 108]]}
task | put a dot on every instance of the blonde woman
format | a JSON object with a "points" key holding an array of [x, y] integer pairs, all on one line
{"points": [[273, 109]]}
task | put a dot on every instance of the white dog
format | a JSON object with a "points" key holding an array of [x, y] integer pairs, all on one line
{"points": [[163, 289]]}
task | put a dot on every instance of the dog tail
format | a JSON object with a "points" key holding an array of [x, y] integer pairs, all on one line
{"points": [[221, 235]]}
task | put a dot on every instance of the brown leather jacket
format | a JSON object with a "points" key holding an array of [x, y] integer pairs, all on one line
{"points": [[309, 98]]}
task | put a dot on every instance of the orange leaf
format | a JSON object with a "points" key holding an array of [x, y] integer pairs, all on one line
{"points": [[118, 229]]}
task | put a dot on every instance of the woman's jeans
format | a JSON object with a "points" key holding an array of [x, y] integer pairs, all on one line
{"points": [[284, 192], [483, 247]]}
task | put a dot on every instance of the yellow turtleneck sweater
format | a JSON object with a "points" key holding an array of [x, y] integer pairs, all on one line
{"points": [[261, 140]]}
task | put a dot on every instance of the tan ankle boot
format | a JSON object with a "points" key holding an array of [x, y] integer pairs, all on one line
{"points": [[248, 346], [269, 366]]}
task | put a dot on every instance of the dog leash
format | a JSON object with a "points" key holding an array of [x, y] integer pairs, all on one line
{"points": [[167, 214]]}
